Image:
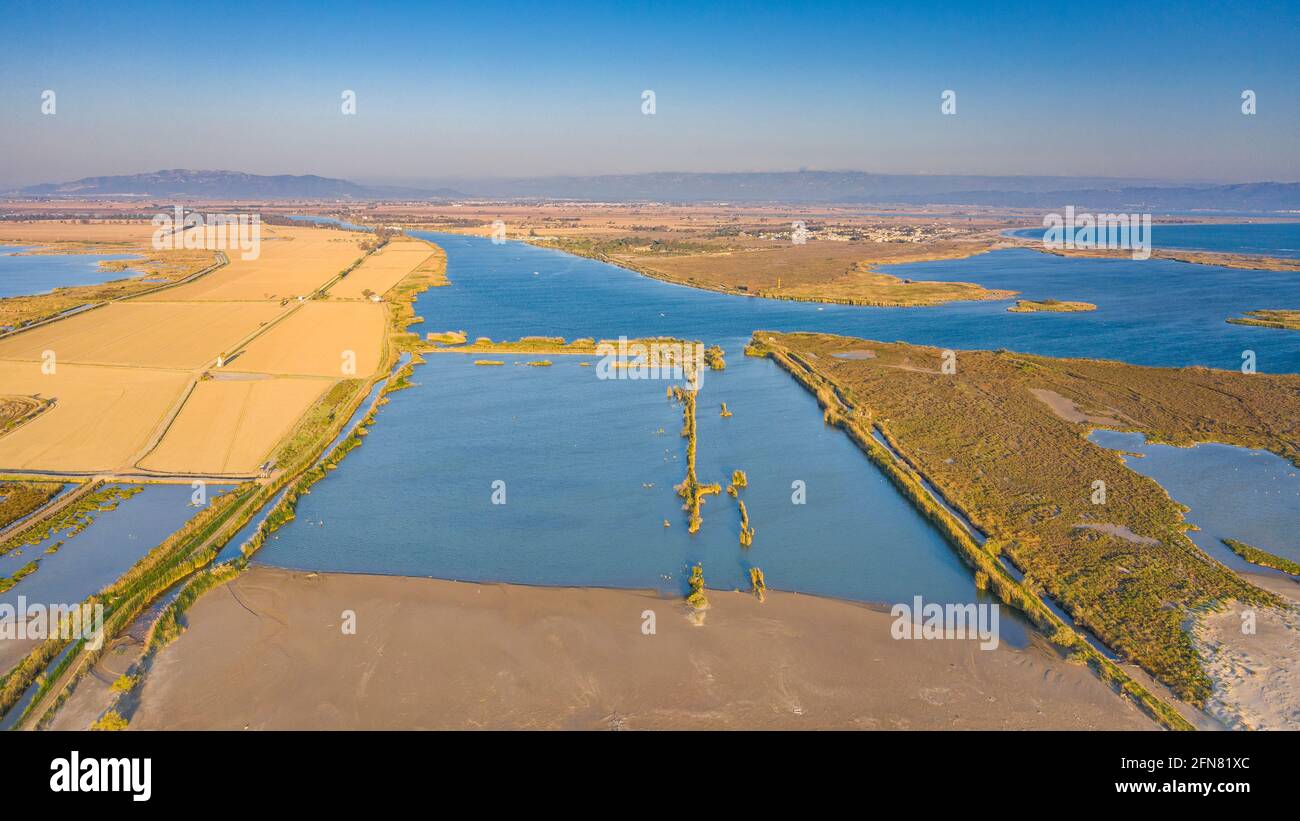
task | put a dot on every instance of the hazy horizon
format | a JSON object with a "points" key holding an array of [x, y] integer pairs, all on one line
{"points": [[521, 91]]}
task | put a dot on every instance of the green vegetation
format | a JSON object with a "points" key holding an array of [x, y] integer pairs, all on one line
{"points": [[1286, 320], [746, 531], [21, 499], [696, 597], [124, 683], [112, 720], [446, 338], [690, 488], [73, 517], [1027, 306], [1262, 557], [1023, 476], [725, 413], [713, 357], [488, 362], [7, 582], [758, 583]]}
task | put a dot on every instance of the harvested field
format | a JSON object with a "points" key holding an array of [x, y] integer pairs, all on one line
{"points": [[231, 425], [293, 262], [144, 334], [382, 270], [100, 419], [313, 340], [35, 233]]}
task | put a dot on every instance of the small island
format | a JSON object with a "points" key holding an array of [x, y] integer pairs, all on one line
{"points": [[1027, 306], [1262, 558], [1287, 320]]}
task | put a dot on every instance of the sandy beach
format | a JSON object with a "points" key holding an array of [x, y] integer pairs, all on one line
{"points": [[267, 652]]}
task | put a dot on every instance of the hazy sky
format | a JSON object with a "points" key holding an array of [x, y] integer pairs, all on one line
{"points": [[502, 89]]}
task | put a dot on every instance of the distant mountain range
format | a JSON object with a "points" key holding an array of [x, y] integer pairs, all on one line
{"points": [[858, 187], [235, 185]]}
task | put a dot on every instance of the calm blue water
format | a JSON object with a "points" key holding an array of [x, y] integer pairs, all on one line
{"points": [[575, 451], [1153, 312], [28, 275], [1252, 496], [102, 552], [1281, 239]]}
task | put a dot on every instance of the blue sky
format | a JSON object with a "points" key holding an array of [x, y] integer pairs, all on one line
{"points": [[1147, 90]]}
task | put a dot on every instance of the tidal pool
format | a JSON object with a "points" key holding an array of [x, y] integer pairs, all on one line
{"points": [[1252, 496]]}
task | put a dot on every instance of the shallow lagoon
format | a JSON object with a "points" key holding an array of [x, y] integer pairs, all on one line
{"points": [[94, 558], [574, 451], [577, 453], [39, 274], [1154, 312], [1252, 496]]}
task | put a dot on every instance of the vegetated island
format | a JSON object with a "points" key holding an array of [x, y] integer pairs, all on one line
{"points": [[1027, 306], [1021, 471], [1284, 319], [820, 271], [1262, 558]]}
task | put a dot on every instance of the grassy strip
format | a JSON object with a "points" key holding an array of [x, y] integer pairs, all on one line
{"points": [[1262, 557], [989, 569], [690, 488]]}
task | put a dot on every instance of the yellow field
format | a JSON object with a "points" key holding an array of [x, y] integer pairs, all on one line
{"points": [[38, 232], [384, 269], [123, 369], [101, 416], [231, 425], [145, 334], [313, 340], [293, 262]]}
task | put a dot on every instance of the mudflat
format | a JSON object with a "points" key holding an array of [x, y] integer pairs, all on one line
{"points": [[267, 651]]}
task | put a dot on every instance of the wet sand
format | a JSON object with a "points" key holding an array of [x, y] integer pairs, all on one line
{"points": [[267, 652]]}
